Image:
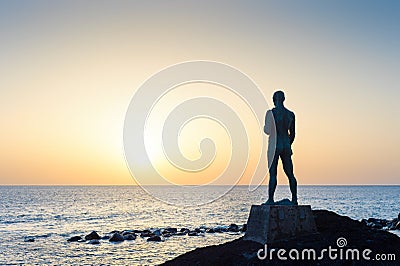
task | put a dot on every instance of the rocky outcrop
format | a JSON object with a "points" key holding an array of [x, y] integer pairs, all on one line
{"points": [[116, 237], [129, 236], [74, 239], [382, 223], [92, 235], [335, 231], [369, 233]]}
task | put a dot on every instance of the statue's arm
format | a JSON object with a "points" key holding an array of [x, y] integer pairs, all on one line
{"points": [[268, 122], [292, 129]]}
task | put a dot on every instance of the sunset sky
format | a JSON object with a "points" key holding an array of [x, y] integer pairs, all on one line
{"points": [[68, 70]]}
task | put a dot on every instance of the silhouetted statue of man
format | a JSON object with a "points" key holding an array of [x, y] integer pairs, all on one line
{"points": [[283, 138]]}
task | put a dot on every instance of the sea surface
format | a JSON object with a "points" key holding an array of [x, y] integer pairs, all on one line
{"points": [[52, 214]]}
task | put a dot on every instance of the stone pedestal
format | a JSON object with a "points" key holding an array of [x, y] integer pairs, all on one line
{"points": [[269, 223]]}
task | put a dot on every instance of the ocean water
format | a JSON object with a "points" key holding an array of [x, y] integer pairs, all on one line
{"points": [[52, 214]]}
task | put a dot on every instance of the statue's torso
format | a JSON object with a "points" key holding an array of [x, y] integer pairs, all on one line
{"points": [[283, 119]]}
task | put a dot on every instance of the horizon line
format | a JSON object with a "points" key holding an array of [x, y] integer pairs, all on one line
{"points": [[136, 185]]}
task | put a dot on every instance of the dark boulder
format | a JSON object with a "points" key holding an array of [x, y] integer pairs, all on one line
{"points": [[220, 229], [170, 230], [376, 222], [184, 230], [74, 239], [146, 233], [377, 226], [155, 238], [129, 236], [116, 237], [233, 228], [92, 235], [373, 220]]}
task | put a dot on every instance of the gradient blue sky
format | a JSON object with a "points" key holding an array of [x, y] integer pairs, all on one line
{"points": [[69, 69]]}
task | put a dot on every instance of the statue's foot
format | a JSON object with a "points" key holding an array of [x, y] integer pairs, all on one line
{"points": [[269, 202], [294, 202]]}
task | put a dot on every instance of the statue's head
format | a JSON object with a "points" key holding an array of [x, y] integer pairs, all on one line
{"points": [[278, 98]]}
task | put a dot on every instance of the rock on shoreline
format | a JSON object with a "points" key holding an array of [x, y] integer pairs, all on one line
{"points": [[331, 226], [382, 223], [155, 235], [163, 234]]}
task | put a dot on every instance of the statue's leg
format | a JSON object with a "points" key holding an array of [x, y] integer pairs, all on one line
{"points": [[288, 168], [272, 178]]}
